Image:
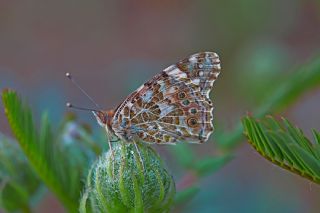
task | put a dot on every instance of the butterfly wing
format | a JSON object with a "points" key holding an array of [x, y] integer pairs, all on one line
{"points": [[172, 106]]}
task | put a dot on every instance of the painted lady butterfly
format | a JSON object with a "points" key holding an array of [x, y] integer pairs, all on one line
{"points": [[174, 106]]}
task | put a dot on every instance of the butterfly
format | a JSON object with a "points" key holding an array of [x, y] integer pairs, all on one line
{"points": [[173, 106]]}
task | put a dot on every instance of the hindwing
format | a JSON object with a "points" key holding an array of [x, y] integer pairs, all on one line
{"points": [[173, 106]]}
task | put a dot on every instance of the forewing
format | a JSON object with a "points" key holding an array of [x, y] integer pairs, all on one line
{"points": [[173, 106], [201, 68]]}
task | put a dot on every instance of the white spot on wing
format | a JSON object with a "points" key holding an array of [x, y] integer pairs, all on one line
{"points": [[196, 81], [140, 88], [215, 55], [171, 90], [217, 60], [193, 58], [147, 96], [177, 72], [182, 120], [217, 66], [162, 86], [169, 68], [165, 109]]}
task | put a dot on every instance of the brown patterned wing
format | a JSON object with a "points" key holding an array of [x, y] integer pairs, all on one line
{"points": [[173, 106]]}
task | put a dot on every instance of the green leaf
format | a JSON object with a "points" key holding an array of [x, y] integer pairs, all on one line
{"points": [[291, 149], [310, 163], [40, 147], [209, 165], [185, 195], [316, 136], [16, 191]]}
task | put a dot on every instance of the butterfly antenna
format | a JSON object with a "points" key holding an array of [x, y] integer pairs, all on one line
{"points": [[68, 75], [81, 108]]}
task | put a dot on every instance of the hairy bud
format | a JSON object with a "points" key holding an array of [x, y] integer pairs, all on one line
{"points": [[125, 184]]}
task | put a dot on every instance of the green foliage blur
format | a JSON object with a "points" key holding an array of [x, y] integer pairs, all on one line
{"points": [[270, 66], [61, 163]]}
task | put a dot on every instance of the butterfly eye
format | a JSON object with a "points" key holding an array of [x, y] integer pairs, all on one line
{"points": [[192, 122], [181, 95]]}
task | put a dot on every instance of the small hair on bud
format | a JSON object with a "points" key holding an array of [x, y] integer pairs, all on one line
{"points": [[68, 104], [68, 75]]}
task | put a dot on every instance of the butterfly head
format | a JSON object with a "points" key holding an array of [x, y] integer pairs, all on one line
{"points": [[104, 118]]}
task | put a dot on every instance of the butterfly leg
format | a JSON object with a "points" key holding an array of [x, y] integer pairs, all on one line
{"points": [[138, 151], [112, 153]]}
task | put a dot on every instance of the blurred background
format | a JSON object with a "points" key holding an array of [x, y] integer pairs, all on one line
{"points": [[112, 47]]}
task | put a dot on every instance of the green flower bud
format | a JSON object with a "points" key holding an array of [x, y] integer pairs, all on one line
{"points": [[124, 183]]}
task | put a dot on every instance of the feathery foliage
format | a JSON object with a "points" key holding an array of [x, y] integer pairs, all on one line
{"points": [[305, 78], [19, 185], [285, 145], [47, 156]]}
